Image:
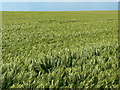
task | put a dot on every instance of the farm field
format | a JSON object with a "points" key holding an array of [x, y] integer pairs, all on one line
{"points": [[60, 49]]}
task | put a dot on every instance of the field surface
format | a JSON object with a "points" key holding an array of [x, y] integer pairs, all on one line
{"points": [[60, 49]]}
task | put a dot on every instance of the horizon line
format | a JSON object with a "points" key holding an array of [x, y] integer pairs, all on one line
{"points": [[59, 11]]}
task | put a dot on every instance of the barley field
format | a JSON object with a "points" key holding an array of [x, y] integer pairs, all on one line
{"points": [[67, 49]]}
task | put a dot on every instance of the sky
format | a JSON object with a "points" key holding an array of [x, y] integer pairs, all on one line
{"points": [[60, 0], [52, 5]]}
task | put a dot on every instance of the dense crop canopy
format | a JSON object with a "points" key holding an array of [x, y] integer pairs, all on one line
{"points": [[60, 49]]}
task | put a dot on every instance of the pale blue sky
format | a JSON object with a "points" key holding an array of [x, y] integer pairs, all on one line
{"points": [[60, 0], [58, 6]]}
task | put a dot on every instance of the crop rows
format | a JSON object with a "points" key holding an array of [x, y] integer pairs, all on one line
{"points": [[60, 50]]}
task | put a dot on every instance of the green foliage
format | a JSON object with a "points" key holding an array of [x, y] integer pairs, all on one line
{"points": [[60, 50]]}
